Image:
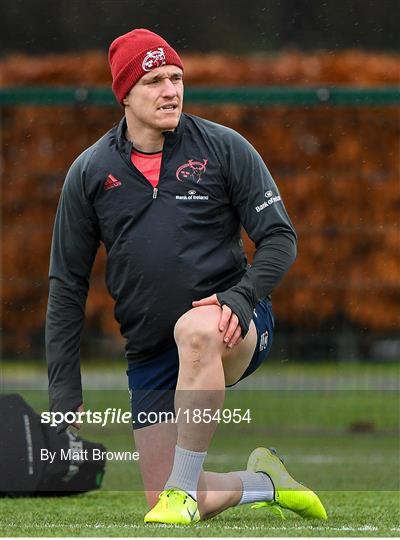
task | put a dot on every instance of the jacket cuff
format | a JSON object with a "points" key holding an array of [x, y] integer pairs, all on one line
{"points": [[65, 404], [240, 306]]}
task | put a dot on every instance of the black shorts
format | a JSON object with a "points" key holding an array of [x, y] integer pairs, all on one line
{"points": [[152, 383]]}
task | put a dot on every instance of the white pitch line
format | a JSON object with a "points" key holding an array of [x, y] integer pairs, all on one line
{"points": [[343, 528]]}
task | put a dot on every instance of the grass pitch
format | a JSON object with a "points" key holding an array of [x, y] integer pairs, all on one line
{"points": [[121, 514], [341, 442]]}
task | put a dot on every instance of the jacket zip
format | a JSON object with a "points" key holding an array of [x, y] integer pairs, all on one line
{"points": [[136, 170]]}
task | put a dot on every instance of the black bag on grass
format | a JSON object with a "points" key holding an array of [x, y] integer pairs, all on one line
{"points": [[24, 441]]}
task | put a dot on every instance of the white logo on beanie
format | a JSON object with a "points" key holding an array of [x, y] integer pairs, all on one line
{"points": [[154, 58]]}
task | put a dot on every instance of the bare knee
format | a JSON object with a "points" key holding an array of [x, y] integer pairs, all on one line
{"points": [[197, 330]]}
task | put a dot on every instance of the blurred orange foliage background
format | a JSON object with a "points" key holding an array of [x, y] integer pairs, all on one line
{"points": [[336, 167]]}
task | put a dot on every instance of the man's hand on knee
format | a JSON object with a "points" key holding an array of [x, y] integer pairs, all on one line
{"points": [[228, 323]]}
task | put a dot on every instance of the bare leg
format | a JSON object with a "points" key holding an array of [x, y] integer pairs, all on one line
{"points": [[156, 447], [206, 365], [217, 492], [201, 381]]}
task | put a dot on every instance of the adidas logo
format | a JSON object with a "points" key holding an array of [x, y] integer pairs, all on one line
{"points": [[111, 182]]}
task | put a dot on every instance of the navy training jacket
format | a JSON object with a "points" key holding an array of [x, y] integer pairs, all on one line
{"points": [[166, 246]]}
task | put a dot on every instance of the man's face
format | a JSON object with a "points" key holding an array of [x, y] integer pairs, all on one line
{"points": [[156, 99]]}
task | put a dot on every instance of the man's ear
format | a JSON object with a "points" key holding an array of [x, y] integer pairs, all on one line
{"points": [[125, 101]]}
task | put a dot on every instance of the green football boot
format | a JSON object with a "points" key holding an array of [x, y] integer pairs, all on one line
{"points": [[289, 494], [174, 506]]}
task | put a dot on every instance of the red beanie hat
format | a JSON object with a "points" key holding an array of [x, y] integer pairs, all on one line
{"points": [[136, 53]]}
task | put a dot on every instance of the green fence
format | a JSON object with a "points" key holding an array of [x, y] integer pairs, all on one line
{"points": [[265, 96]]}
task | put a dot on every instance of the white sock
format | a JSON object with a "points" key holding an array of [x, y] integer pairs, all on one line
{"points": [[257, 486], [186, 471]]}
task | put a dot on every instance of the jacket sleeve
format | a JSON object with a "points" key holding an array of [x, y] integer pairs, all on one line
{"points": [[261, 211], [74, 246]]}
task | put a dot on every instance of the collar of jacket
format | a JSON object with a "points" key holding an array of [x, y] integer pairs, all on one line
{"points": [[171, 137]]}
